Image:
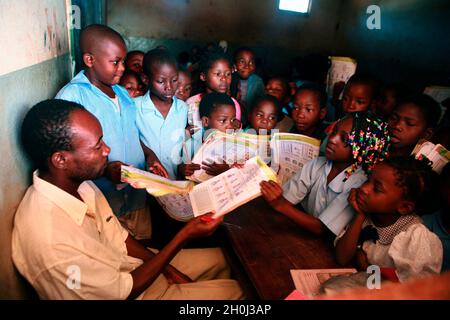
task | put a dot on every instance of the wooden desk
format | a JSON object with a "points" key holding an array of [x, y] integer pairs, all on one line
{"points": [[268, 245]]}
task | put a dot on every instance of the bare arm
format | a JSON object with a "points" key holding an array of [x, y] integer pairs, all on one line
{"points": [[153, 163], [273, 193], [144, 275], [347, 245]]}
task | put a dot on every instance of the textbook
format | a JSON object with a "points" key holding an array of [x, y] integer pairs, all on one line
{"points": [[290, 152], [436, 153], [309, 281], [342, 68], [221, 148], [287, 152], [182, 201], [154, 184], [231, 189]]}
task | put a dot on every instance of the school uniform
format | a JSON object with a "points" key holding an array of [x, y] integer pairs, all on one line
{"points": [[407, 246], [164, 136], [327, 202], [120, 133], [435, 224]]}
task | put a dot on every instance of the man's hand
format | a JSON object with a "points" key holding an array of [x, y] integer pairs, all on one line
{"points": [[214, 169], [187, 169], [155, 166], [202, 226], [273, 194], [112, 171], [175, 276]]}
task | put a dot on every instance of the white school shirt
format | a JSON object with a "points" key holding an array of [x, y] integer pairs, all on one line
{"points": [[71, 249], [326, 202]]}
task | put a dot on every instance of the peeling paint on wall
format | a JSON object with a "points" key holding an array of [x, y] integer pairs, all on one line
{"points": [[27, 40]]}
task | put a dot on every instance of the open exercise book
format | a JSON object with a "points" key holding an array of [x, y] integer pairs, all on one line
{"points": [[287, 152], [221, 194], [436, 153], [309, 281], [342, 68], [290, 152]]}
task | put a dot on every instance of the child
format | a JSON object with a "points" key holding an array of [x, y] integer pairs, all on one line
{"points": [[131, 81], [388, 99], [439, 222], [134, 62], [264, 115], [246, 86], [358, 142], [386, 230], [184, 85], [215, 71], [359, 94], [161, 117], [415, 118], [96, 89], [278, 87], [310, 108], [217, 112]]}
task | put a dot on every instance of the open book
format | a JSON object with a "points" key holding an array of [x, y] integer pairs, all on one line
{"points": [[309, 281], [221, 148], [290, 152], [231, 189], [155, 185], [437, 154], [342, 68]]}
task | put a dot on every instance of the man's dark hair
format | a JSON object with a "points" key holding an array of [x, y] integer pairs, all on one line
{"points": [[46, 130]]}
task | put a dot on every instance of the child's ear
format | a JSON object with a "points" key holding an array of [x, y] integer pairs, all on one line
{"points": [[323, 113], [205, 122], [59, 159], [406, 207], [88, 59], [202, 76], [428, 133]]}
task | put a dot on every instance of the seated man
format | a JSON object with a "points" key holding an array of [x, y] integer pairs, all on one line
{"points": [[68, 243]]}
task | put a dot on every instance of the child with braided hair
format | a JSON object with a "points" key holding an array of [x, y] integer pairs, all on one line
{"points": [[387, 230], [357, 143]]}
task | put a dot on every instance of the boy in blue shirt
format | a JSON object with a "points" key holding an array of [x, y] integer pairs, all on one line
{"points": [[161, 116], [97, 89]]}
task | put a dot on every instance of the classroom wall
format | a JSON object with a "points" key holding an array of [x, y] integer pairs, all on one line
{"points": [[180, 24], [34, 64], [413, 43]]}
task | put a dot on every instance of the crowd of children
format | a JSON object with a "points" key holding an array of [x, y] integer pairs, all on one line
{"points": [[365, 182]]}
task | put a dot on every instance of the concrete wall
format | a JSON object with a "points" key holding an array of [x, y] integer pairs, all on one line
{"points": [[413, 43], [34, 64], [179, 24]]}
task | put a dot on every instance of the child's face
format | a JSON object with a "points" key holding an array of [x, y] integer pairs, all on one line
{"points": [[135, 62], [218, 77], [386, 103], [357, 97], [245, 64], [407, 126], [163, 81], [275, 88], [264, 116], [381, 194], [131, 83], [338, 148], [184, 86], [223, 118], [307, 112], [107, 64]]}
